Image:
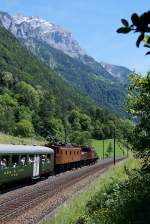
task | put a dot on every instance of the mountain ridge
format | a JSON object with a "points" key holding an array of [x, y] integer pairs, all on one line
{"points": [[120, 72], [79, 69], [56, 36]]}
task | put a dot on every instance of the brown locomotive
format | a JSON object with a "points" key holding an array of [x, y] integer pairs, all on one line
{"points": [[67, 157]]}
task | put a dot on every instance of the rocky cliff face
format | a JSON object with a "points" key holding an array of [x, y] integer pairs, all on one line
{"points": [[34, 29], [119, 72]]}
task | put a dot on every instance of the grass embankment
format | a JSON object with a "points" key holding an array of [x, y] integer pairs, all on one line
{"points": [[8, 139], [74, 209], [98, 145]]}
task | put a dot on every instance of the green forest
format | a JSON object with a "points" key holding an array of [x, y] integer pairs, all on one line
{"points": [[36, 101]]}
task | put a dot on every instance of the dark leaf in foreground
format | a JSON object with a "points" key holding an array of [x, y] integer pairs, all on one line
{"points": [[125, 22], [140, 38], [135, 19], [147, 53], [124, 30]]}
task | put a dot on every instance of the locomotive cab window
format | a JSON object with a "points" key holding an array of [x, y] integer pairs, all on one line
{"points": [[48, 158], [15, 160]]}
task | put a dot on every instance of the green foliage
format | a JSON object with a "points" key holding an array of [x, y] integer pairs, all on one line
{"points": [[27, 95], [122, 203], [109, 149], [140, 24], [98, 130], [24, 113], [8, 107], [139, 89], [6, 79], [24, 128], [56, 128], [35, 100], [81, 138], [139, 107]]}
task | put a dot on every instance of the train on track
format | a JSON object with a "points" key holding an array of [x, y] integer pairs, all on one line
{"points": [[18, 162]]}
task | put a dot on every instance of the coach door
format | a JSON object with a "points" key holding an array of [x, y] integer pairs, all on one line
{"points": [[36, 166]]}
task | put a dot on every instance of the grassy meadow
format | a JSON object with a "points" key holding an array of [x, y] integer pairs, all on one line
{"points": [[8, 139], [98, 145]]}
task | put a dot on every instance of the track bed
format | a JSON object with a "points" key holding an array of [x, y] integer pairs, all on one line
{"points": [[32, 203]]}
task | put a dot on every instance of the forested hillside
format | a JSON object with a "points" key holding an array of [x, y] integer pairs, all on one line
{"points": [[57, 47], [34, 100], [101, 87]]}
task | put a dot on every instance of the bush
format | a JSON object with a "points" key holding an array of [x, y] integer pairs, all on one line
{"points": [[124, 203], [81, 137], [24, 128]]}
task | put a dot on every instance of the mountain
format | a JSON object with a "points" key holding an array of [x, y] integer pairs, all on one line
{"points": [[61, 52], [36, 28], [119, 72], [35, 100]]}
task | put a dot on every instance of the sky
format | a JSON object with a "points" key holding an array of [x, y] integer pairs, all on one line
{"points": [[93, 24]]}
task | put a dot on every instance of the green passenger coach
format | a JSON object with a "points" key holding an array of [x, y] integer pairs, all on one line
{"points": [[18, 162]]}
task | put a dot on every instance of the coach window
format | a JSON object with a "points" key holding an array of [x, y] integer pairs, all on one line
{"points": [[15, 160], [66, 152], [31, 159], [23, 160], [70, 152], [4, 162]]}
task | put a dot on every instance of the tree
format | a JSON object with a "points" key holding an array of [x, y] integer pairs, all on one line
{"points": [[25, 128], [139, 107], [6, 79], [85, 122], [81, 137], [8, 107], [109, 149], [27, 95], [139, 24], [139, 89], [98, 130]]}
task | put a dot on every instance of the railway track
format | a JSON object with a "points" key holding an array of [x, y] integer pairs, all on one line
{"points": [[11, 206]]}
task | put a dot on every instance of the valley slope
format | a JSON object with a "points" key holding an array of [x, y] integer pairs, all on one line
{"points": [[35, 100], [61, 52]]}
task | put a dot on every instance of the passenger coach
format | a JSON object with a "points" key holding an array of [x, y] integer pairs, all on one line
{"points": [[23, 161]]}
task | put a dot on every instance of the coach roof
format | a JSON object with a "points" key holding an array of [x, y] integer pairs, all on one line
{"points": [[24, 149]]}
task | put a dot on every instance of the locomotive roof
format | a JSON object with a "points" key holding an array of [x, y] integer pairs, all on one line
{"points": [[24, 149]]}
